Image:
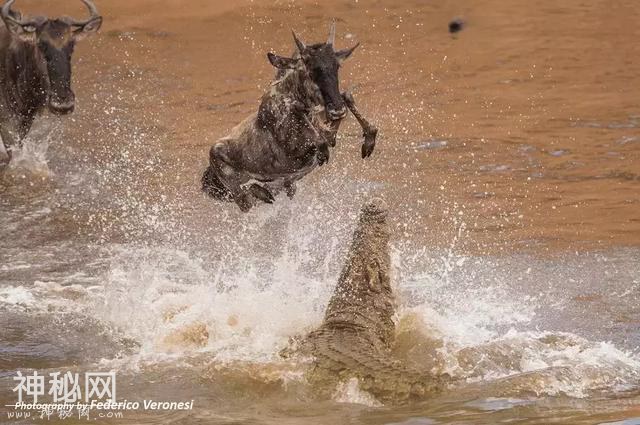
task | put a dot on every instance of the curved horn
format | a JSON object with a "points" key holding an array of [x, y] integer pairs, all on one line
{"points": [[6, 10], [332, 34], [299, 43], [92, 9]]}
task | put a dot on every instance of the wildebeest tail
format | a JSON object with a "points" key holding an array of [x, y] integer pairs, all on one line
{"points": [[212, 186]]}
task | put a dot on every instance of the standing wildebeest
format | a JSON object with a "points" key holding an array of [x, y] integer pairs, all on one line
{"points": [[35, 68], [290, 135]]}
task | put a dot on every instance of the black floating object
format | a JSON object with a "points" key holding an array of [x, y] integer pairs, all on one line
{"points": [[456, 25]]}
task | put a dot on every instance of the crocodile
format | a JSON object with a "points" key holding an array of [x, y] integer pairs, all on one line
{"points": [[356, 337]]}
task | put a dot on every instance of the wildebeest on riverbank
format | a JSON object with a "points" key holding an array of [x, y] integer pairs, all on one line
{"points": [[290, 135], [35, 67]]}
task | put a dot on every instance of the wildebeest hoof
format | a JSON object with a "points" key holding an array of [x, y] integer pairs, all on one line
{"points": [[244, 202], [290, 189], [369, 142], [261, 193], [244, 206], [323, 154]]}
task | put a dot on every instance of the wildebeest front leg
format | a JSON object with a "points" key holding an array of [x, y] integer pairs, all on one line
{"points": [[320, 142], [332, 133], [369, 130]]}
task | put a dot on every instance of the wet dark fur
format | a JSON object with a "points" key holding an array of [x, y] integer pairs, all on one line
{"points": [[289, 136], [35, 70], [212, 186]]}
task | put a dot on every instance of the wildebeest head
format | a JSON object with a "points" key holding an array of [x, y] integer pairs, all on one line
{"points": [[321, 62], [54, 41]]}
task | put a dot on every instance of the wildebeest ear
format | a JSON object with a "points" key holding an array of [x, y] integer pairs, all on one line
{"points": [[25, 32], [281, 62], [88, 29], [342, 55]]}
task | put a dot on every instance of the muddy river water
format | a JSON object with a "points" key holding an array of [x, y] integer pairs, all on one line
{"points": [[509, 153]]}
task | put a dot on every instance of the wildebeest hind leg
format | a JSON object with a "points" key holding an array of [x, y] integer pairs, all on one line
{"points": [[240, 195], [262, 193], [5, 160], [7, 142], [228, 178], [369, 130], [212, 186]]}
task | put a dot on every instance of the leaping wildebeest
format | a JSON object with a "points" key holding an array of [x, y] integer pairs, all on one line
{"points": [[35, 67], [290, 135]]}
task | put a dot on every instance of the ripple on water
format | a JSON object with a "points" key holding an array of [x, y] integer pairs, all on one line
{"points": [[631, 122], [495, 403], [630, 421]]}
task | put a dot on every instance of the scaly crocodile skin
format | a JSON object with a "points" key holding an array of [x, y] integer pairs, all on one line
{"points": [[358, 331]]}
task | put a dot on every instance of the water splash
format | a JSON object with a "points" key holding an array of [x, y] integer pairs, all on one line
{"points": [[153, 293], [247, 308], [32, 156], [16, 296], [350, 392], [487, 312]]}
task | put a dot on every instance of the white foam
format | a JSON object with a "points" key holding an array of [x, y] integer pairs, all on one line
{"points": [[630, 421], [246, 317], [350, 392], [31, 156], [485, 324], [497, 403], [464, 312], [16, 296]]}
